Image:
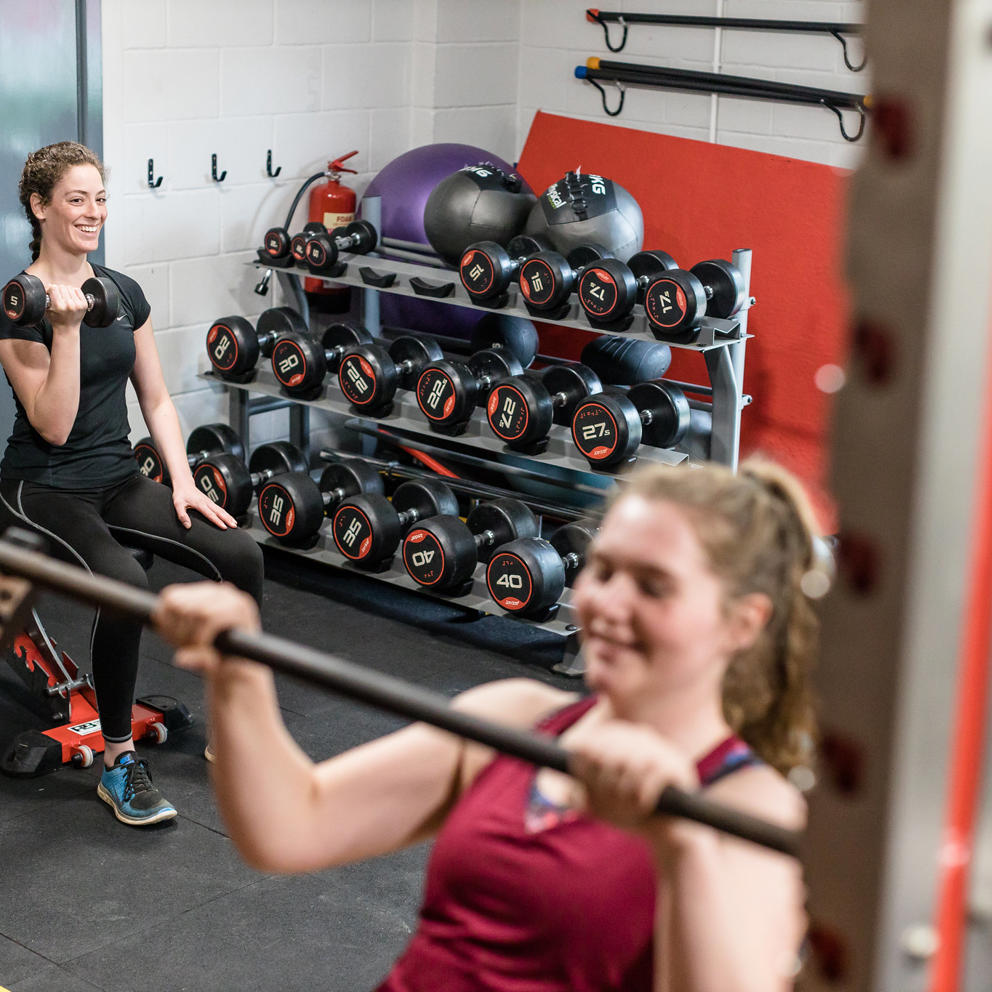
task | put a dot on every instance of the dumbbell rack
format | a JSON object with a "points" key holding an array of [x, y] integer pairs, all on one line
{"points": [[720, 342]]}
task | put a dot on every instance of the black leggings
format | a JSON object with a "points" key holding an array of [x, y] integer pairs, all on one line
{"points": [[89, 528]]}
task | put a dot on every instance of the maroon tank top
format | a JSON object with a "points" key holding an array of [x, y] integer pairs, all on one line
{"points": [[524, 899]]}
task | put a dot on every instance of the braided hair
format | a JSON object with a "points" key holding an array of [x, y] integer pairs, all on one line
{"points": [[42, 172]]}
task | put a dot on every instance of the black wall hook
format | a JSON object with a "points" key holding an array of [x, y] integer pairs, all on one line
{"points": [[268, 166], [213, 170], [153, 183]]}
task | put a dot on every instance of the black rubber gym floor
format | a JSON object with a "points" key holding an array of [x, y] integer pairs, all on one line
{"points": [[87, 903]]}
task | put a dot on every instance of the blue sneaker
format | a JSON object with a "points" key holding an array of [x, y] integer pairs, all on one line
{"points": [[127, 788]]}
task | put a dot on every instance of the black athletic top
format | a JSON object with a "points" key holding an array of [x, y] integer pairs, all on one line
{"points": [[98, 451]]}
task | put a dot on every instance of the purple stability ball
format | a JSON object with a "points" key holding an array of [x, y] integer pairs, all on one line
{"points": [[404, 185]]}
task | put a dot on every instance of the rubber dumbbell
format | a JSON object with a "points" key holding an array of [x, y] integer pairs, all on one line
{"points": [[520, 410], [25, 300], [369, 374], [203, 441], [234, 346], [487, 269], [321, 250], [548, 279], [608, 428], [300, 363], [298, 242], [441, 553], [676, 301], [608, 289], [292, 507], [368, 529], [527, 577], [230, 483]]}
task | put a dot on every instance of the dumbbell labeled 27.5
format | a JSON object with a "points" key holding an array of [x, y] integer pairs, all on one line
{"points": [[608, 289], [676, 301], [368, 529], [234, 346], [608, 428], [300, 363], [292, 507], [369, 375], [203, 441], [231, 484], [520, 410], [527, 577], [441, 553], [25, 300]]}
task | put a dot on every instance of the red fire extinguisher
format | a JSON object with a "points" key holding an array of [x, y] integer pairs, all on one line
{"points": [[333, 205]]}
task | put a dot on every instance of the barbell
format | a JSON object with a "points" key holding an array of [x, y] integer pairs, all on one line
{"points": [[23, 566]]}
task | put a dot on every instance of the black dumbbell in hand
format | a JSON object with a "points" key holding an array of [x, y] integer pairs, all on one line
{"points": [[676, 301], [321, 250], [300, 363], [292, 507], [608, 428], [230, 483], [25, 300], [548, 279], [234, 346], [527, 577], [441, 553], [369, 374], [521, 409], [608, 289], [203, 441], [487, 269], [368, 529]]}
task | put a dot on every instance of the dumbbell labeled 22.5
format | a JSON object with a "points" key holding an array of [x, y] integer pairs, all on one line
{"points": [[442, 552], [25, 300], [369, 375]]}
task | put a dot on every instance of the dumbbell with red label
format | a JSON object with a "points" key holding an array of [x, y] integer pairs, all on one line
{"points": [[234, 346], [298, 242], [369, 374], [521, 409], [25, 300], [368, 529], [292, 507], [441, 553], [548, 279], [300, 363], [608, 289], [608, 428], [203, 441], [321, 250], [527, 577], [487, 269], [230, 483], [676, 301]]}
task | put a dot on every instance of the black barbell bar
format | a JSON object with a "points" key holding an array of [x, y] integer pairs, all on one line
{"points": [[378, 689]]}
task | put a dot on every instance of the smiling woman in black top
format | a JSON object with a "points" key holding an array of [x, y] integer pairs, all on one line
{"points": [[69, 471]]}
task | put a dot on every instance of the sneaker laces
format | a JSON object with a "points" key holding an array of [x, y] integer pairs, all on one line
{"points": [[137, 778]]}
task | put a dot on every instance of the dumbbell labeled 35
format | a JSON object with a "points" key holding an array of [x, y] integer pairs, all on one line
{"points": [[25, 300]]}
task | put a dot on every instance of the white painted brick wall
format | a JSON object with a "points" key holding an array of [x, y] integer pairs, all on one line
{"points": [[312, 79]]}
